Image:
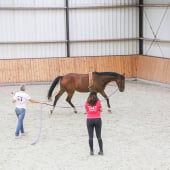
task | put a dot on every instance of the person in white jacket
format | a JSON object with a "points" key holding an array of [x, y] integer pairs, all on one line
{"points": [[20, 99]]}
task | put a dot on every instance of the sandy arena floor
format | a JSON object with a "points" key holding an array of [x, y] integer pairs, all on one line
{"points": [[136, 135]]}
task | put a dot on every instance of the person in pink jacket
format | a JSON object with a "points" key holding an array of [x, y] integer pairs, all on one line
{"points": [[93, 109]]}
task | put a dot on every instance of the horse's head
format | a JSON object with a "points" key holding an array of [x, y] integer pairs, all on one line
{"points": [[120, 81]]}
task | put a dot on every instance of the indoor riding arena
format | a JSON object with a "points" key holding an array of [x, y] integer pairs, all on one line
{"points": [[43, 39]]}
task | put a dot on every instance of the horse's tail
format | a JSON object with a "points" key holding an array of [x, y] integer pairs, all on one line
{"points": [[53, 85]]}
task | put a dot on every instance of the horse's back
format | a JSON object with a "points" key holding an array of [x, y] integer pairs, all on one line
{"points": [[74, 74], [75, 81]]}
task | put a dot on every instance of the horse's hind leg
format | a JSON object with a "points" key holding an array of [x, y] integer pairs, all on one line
{"points": [[68, 99], [56, 99]]}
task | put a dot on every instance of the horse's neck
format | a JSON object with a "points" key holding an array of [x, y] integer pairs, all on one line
{"points": [[107, 79]]}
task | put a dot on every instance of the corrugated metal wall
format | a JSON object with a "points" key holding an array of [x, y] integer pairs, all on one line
{"points": [[107, 28], [156, 28], [37, 28], [32, 29]]}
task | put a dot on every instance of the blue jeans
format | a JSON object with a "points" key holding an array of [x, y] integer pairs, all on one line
{"points": [[20, 112]]}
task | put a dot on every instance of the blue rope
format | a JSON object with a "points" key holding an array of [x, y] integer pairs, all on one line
{"points": [[40, 128], [40, 117], [81, 105]]}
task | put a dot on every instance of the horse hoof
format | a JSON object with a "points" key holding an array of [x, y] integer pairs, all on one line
{"points": [[75, 111], [109, 111], [51, 111]]}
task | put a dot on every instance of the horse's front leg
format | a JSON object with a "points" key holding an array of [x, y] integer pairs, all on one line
{"points": [[68, 99], [108, 104], [107, 100]]}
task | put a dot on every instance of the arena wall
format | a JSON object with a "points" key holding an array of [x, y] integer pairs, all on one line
{"points": [[43, 70], [31, 70], [153, 69]]}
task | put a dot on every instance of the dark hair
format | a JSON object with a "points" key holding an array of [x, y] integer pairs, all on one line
{"points": [[92, 98]]}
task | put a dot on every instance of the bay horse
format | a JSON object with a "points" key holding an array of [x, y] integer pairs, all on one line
{"points": [[72, 82]]}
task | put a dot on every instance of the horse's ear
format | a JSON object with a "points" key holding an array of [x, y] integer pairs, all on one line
{"points": [[123, 74]]}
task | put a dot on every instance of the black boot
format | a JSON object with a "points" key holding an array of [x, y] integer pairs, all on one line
{"points": [[100, 153], [100, 147], [91, 153], [91, 146]]}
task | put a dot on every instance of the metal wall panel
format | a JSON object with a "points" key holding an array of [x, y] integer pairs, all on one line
{"points": [[32, 3], [156, 28], [156, 2], [103, 48], [42, 50], [31, 25], [37, 28], [104, 24], [101, 2]]}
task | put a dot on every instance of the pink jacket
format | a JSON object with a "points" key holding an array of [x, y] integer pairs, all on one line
{"points": [[93, 111]]}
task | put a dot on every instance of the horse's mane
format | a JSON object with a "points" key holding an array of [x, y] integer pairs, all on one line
{"points": [[109, 74]]}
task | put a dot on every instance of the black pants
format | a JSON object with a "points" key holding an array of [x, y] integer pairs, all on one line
{"points": [[97, 125]]}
